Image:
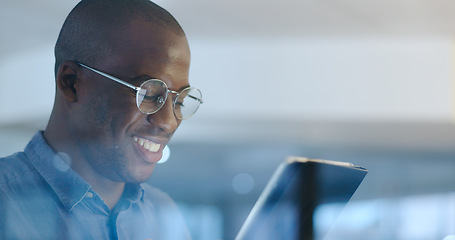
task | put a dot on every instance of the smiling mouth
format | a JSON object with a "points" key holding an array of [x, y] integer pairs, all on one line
{"points": [[147, 144]]}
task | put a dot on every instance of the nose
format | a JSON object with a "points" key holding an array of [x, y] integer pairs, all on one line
{"points": [[165, 118]]}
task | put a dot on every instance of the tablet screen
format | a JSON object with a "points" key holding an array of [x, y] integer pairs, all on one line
{"points": [[288, 205]]}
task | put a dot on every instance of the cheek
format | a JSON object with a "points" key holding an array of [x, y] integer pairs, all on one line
{"points": [[108, 112], [93, 109], [92, 117], [123, 110], [121, 101], [120, 116]]}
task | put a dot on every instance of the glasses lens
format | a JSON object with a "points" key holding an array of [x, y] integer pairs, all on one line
{"points": [[152, 96], [187, 103]]}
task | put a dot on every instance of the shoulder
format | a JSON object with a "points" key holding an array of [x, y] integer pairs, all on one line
{"points": [[13, 167], [19, 180]]}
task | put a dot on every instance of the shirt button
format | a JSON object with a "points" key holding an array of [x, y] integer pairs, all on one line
{"points": [[89, 194]]}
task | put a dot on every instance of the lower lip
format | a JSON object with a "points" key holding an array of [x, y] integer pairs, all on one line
{"points": [[149, 157]]}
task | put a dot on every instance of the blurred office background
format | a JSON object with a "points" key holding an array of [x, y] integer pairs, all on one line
{"points": [[368, 82]]}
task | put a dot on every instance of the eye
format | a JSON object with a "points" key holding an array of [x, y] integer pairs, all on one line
{"points": [[153, 95], [151, 98], [179, 103]]}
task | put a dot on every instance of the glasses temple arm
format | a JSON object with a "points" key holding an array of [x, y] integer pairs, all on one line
{"points": [[111, 77], [195, 98]]}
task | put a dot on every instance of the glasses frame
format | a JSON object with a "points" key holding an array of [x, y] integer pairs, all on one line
{"points": [[137, 89]]}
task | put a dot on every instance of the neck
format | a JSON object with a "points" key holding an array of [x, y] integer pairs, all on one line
{"points": [[110, 191], [60, 141]]}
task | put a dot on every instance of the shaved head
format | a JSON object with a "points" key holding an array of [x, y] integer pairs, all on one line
{"points": [[89, 32]]}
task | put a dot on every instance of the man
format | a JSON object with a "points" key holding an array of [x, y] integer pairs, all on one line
{"points": [[122, 90]]}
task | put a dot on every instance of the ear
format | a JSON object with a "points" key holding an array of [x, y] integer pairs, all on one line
{"points": [[67, 80]]}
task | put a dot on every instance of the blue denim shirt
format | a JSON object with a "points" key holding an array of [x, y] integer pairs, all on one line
{"points": [[41, 197]]}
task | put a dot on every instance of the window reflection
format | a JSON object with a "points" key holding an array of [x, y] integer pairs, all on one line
{"points": [[420, 217]]}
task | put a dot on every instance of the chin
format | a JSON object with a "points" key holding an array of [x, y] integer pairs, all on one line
{"points": [[140, 176]]}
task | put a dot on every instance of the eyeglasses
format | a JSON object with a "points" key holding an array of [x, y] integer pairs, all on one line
{"points": [[152, 94]]}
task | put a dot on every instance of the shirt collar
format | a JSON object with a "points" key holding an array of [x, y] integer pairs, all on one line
{"points": [[54, 168], [134, 192], [69, 186]]}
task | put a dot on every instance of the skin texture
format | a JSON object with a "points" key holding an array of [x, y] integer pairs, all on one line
{"points": [[95, 119]]}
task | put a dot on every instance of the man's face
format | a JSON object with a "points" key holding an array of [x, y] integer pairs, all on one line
{"points": [[114, 138]]}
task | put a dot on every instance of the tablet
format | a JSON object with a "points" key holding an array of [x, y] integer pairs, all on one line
{"points": [[286, 207]]}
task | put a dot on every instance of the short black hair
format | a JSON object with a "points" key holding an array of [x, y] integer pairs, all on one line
{"points": [[88, 33]]}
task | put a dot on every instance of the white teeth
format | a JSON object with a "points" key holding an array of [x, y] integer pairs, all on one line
{"points": [[147, 144]]}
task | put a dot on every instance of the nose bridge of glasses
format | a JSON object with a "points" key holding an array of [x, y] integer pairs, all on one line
{"points": [[162, 101], [172, 91], [176, 94]]}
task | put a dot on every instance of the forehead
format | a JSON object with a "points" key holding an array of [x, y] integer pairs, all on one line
{"points": [[143, 48]]}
